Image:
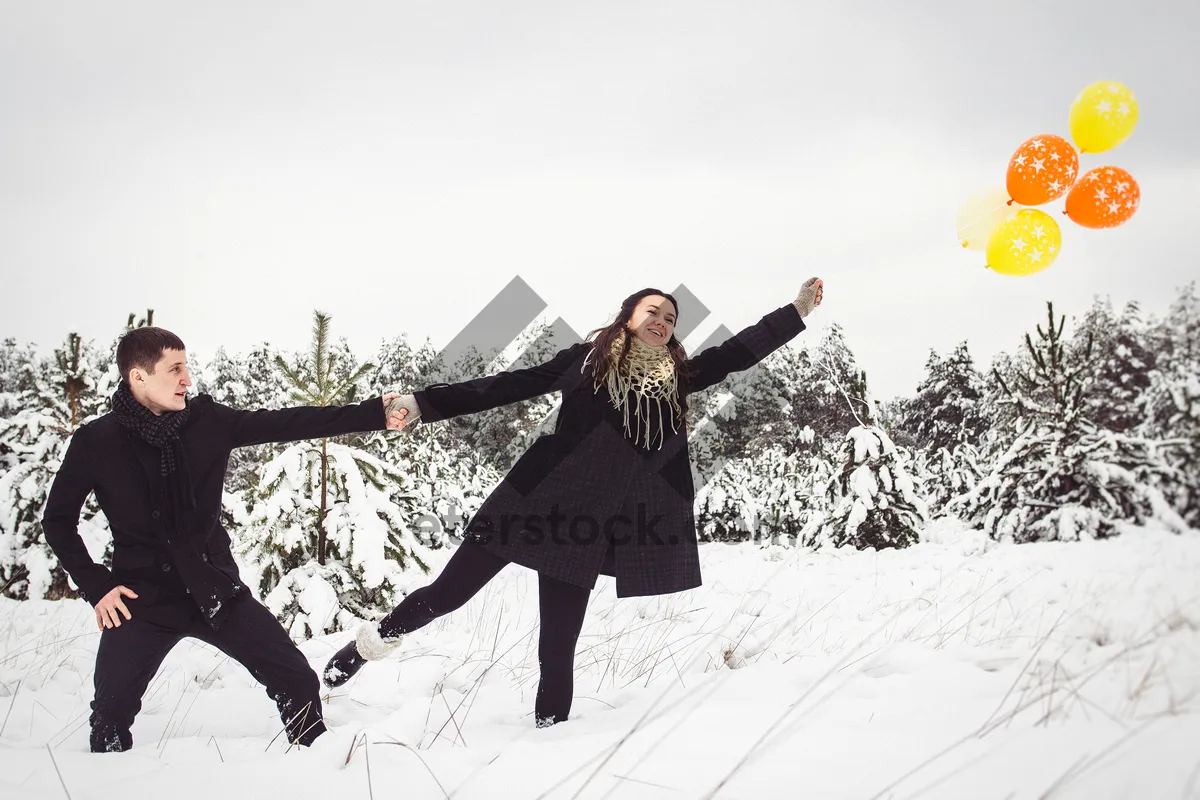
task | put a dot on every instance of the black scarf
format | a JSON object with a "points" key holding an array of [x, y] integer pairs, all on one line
{"points": [[210, 588], [162, 432]]}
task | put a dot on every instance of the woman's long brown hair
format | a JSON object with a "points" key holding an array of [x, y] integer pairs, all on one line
{"points": [[602, 360]]}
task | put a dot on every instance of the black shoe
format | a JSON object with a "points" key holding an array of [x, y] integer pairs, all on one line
{"points": [[344, 665]]}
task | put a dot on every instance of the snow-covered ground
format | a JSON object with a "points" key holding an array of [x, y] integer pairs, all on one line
{"points": [[952, 669]]}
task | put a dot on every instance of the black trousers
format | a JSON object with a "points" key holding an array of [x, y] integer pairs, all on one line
{"points": [[561, 606], [130, 655]]}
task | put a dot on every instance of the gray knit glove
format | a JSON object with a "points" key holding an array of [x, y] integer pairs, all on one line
{"points": [[811, 294], [409, 404]]}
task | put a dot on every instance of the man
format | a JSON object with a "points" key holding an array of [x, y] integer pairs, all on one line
{"points": [[157, 465]]}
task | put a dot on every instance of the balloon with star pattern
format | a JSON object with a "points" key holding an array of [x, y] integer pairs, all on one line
{"points": [[980, 214], [1042, 169], [1025, 244], [1103, 116], [1105, 197]]}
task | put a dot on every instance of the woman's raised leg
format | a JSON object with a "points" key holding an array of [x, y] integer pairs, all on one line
{"points": [[467, 571]]}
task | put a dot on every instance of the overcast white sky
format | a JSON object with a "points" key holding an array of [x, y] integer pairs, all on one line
{"points": [[236, 165]]}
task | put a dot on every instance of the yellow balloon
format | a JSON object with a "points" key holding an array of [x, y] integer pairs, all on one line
{"points": [[980, 214], [1102, 116], [1025, 244]]}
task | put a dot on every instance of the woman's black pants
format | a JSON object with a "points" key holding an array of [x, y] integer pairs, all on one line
{"points": [[562, 606]]}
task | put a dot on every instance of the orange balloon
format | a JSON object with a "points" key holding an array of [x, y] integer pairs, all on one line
{"points": [[1105, 197], [1042, 169]]}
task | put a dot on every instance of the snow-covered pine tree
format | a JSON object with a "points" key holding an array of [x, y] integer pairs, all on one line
{"points": [[776, 493], [944, 422], [751, 410], [874, 500], [829, 392], [767, 410], [998, 408], [328, 534], [718, 431], [801, 400], [797, 405], [16, 363], [55, 396], [719, 502], [892, 415], [1121, 359], [783, 487], [359, 508], [1058, 474], [1172, 400], [13, 361], [948, 474], [946, 409], [402, 366], [341, 362], [705, 442]]}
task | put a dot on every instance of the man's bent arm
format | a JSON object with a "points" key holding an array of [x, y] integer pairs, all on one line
{"points": [[60, 522]]}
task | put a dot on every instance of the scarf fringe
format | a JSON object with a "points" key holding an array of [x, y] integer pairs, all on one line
{"points": [[648, 374]]}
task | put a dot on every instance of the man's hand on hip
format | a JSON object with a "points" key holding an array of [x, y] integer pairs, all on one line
{"points": [[111, 606]]}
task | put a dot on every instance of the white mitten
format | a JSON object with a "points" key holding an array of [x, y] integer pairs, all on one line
{"points": [[409, 404], [807, 300]]}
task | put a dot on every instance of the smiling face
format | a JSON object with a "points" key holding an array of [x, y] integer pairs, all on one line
{"points": [[653, 320], [163, 388]]}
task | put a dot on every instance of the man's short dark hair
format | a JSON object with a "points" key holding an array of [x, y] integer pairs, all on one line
{"points": [[143, 347]]}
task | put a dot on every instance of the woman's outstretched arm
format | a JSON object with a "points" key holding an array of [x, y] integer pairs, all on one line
{"points": [[754, 343], [447, 400]]}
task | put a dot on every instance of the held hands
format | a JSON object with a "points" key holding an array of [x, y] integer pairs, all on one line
{"points": [[400, 410], [811, 294], [107, 609]]}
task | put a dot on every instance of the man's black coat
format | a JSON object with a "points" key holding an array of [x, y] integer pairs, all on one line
{"points": [[123, 470]]}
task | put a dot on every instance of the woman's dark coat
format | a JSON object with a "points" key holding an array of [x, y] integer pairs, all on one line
{"points": [[123, 471], [584, 484]]}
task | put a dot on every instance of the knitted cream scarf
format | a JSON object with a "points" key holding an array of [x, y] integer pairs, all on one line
{"points": [[648, 376]]}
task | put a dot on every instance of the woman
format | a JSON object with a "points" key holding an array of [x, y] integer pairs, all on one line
{"points": [[609, 492]]}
